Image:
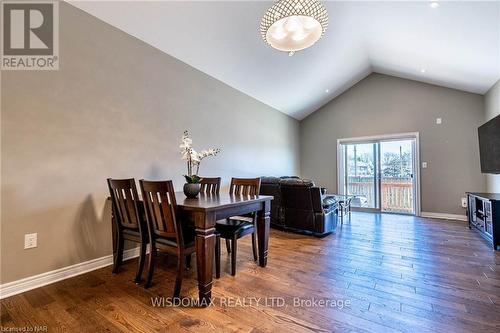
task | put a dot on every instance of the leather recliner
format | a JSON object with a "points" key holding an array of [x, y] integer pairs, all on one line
{"points": [[298, 205], [271, 186]]}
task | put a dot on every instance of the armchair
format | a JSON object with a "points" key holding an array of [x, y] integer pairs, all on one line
{"points": [[305, 209]]}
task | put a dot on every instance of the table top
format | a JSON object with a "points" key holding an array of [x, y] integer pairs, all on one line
{"points": [[207, 202]]}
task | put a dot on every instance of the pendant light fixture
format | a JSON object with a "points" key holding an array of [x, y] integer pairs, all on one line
{"points": [[294, 25]]}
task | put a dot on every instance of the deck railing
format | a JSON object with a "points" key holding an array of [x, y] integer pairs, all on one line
{"points": [[397, 192]]}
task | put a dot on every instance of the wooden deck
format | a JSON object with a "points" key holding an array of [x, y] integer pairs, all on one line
{"points": [[400, 273]]}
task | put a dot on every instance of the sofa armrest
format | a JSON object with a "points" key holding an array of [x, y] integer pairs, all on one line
{"points": [[329, 203], [316, 198]]}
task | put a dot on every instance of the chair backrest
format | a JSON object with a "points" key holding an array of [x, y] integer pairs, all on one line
{"points": [[124, 201], [271, 186], [161, 207], [210, 185], [298, 203], [245, 186], [297, 194]]}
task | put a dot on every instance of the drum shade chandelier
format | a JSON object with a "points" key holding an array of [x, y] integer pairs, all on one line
{"points": [[294, 25]]}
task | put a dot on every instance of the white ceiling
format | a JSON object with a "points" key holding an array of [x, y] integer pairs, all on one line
{"points": [[458, 45]]}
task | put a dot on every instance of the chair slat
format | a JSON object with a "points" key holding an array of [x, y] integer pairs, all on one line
{"points": [[156, 212], [130, 202]]}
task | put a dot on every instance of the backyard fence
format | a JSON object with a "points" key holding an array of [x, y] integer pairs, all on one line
{"points": [[397, 192]]}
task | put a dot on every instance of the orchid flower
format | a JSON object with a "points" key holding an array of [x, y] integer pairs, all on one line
{"points": [[192, 157]]}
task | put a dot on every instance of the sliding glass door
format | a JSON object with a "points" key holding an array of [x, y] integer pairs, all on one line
{"points": [[361, 173], [380, 172]]}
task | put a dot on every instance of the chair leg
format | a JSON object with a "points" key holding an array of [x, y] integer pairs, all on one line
{"points": [[188, 262], [180, 274], [142, 259], [254, 246], [228, 245], [217, 256], [118, 254], [341, 215], [233, 256], [151, 264]]}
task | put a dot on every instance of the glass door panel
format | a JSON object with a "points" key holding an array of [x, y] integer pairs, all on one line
{"points": [[360, 174], [396, 176]]}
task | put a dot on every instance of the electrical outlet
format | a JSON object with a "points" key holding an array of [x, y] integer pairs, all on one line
{"points": [[439, 121], [424, 165], [30, 241], [464, 202]]}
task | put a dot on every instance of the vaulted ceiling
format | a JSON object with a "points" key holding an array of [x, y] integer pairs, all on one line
{"points": [[456, 45]]}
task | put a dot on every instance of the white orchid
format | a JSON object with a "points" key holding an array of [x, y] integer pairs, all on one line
{"points": [[185, 155], [186, 142], [195, 157], [184, 146], [192, 157]]}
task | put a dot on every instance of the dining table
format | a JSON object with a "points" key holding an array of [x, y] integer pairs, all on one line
{"points": [[204, 211]]}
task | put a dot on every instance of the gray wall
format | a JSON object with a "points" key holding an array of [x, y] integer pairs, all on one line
{"points": [[382, 104], [116, 108], [492, 108]]}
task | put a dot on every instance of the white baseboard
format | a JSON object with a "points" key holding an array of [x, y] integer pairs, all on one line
{"points": [[444, 216], [40, 280]]}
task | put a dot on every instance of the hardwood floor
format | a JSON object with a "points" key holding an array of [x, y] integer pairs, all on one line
{"points": [[400, 274]]}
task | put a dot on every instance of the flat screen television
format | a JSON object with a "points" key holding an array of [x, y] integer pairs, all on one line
{"points": [[489, 146]]}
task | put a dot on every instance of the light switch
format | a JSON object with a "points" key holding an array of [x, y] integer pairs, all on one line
{"points": [[424, 165], [30, 241], [439, 121], [464, 202]]}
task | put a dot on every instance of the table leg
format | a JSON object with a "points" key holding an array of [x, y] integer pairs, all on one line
{"points": [[205, 244], [263, 221]]}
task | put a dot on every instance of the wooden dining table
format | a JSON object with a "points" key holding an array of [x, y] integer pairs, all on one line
{"points": [[204, 211]]}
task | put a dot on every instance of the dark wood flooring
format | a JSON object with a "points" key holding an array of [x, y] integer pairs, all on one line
{"points": [[400, 273]]}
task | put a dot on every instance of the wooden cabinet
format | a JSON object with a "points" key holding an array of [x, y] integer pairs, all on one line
{"points": [[483, 212]]}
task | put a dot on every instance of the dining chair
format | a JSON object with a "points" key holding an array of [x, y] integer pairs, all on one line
{"points": [[210, 185], [129, 219], [345, 208], [236, 227], [166, 232]]}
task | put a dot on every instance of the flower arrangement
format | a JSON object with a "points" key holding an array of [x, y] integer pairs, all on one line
{"points": [[193, 158]]}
